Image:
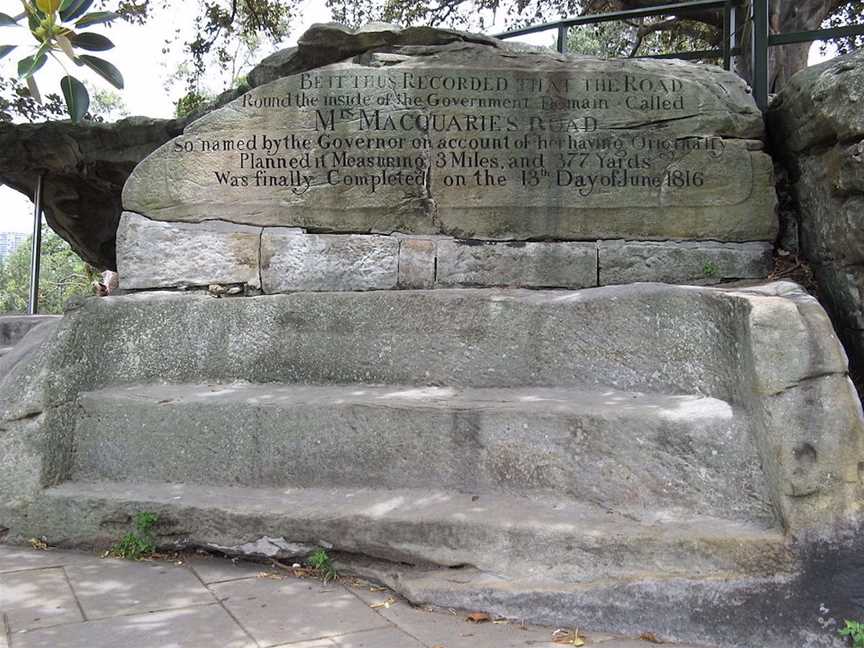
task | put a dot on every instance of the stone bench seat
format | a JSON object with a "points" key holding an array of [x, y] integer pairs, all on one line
{"points": [[547, 538], [609, 447], [619, 455]]}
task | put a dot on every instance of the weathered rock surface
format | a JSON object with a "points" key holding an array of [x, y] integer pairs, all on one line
{"points": [[417, 263], [85, 168], [475, 140], [292, 261], [682, 262], [640, 449], [516, 264], [160, 254], [516, 440], [820, 106], [330, 43], [154, 253], [14, 327], [459, 140], [818, 129]]}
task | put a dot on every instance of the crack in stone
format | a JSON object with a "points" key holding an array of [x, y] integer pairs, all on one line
{"points": [[808, 379]]}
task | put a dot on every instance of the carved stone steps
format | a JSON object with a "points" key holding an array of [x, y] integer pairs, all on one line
{"points": [[731, 610], [514, 537], [608, 447]]}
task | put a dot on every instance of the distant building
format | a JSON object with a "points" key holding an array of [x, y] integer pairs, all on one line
{"points": [[8, 242]]}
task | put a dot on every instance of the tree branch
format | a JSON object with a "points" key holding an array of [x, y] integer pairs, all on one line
{"points": [[645, 29]]}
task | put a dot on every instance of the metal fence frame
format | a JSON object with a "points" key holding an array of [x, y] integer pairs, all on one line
{"points": [[36, 249], [761, 40]]}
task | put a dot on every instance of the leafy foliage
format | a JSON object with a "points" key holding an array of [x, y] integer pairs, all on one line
{"points": [[16, 100], [639, 38], [320, 561], [850, 13], [106, 104], [226, 36], [138, 543], [77, 97], [854, 633], [63, 276], [53, 24], [191, 102]]}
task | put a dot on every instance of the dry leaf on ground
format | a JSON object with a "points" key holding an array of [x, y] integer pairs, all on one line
{"points": [[650, 637], [478, 617], [568, 637]]}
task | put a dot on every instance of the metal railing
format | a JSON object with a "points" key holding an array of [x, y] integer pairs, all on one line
{"points": [[733, 20], [36, 249]]}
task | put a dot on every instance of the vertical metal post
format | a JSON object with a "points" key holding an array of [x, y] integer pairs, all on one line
{"points": [[735, 26], [562, 39], [728, 27], [760, 52], [36, 250]]}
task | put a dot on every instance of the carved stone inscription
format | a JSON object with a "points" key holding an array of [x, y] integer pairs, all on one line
{"points": [[373, 130], [487, 153]]}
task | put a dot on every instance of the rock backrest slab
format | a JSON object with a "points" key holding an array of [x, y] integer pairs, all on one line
{"points": [[651, 338], [476, 140]]}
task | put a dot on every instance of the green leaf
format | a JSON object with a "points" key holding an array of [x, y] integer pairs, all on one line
{"points": [[91, 42], [5, 49], [104, 69], [7, 21], [68, 7], [28, 66], [76, 96], [76, 9], [48, 7], [96, 18]]}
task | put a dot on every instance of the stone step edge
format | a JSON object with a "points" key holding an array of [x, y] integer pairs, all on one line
{"points": [[730, 608], [549, 400], [406, 505], [280, 259], [497, 534], [517, 440]]}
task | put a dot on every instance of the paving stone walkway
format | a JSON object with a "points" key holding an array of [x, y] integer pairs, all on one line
{"points": [[60, 599]]}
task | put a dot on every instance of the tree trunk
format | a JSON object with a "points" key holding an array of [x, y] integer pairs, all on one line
{"points": [[785, 17]]}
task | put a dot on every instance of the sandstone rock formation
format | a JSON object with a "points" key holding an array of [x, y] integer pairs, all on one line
{"points": [[616, 457], [817, 126], [485, 155], [85, 168], [682, 460], [86, 165]]}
